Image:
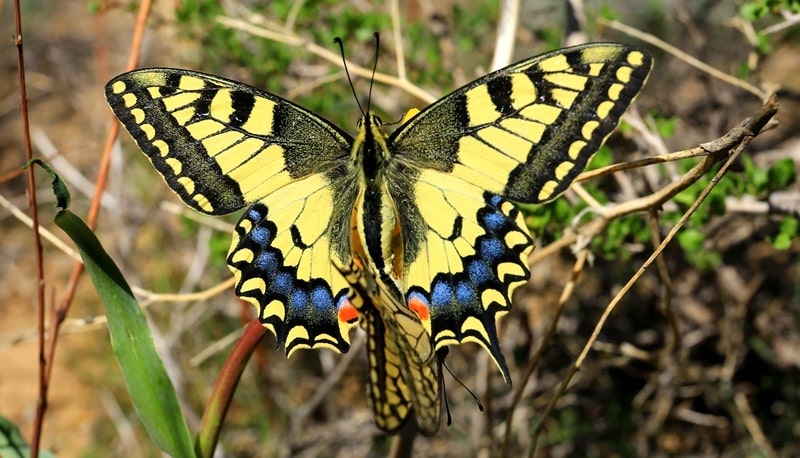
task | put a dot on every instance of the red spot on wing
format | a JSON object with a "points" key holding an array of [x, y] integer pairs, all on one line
{"points": [[420, 308], [347, 312]]}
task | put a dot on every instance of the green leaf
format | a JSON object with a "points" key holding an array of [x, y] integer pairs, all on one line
{"points": [[13, 445], [59, 187], [787, 232], [782, 242], [150, 388], [665, 125], [757, 178], [763, 44], [602, 158], [691, 240], [781, 174], [752, 10]]}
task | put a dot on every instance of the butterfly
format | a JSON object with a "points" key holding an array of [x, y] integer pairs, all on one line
{"points": [[414, 233]]}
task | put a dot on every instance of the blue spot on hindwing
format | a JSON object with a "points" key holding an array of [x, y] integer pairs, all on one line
{"points": [[465, 293], [321, 298], [267, 263], [479, 272], [491, 250], [299, 299], [441, 293], [494, 221], [261, 235], [256, 213], [283, 284]]}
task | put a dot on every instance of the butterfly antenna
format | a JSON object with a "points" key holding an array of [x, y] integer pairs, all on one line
{"points": [[374, 68], [339, 42]]}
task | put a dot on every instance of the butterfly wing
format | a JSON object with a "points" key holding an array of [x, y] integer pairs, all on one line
{"points": [[526, 131], [222, 145], [521, 133], [398, 384], [466, 250]]}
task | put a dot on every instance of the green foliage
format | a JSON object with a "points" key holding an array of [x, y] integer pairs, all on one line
{"points": [[759, 182], [665, 125], [547, 221], [759, 9], [781, 174], [223, 47], [551, 36], [219, 244], [149, 386], [766, 10], [788, 230], [752, 180], [93, 6], [603, 158], [625, 230], [695, 252], [475, 20], [608, 13]]}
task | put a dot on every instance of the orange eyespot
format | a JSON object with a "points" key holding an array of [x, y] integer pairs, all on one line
{"points": [[347, 312], [420, 308]]}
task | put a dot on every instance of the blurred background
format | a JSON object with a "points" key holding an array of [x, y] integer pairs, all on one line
{"points": [[717, 374]]}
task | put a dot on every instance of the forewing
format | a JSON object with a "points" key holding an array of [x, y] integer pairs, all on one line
{"points": [[526, 131], [220, 144]]}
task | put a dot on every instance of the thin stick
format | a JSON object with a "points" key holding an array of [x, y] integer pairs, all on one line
{"points": [[696, 63], [325, 54], [59, 314], [394, 11], [506, 34], [41, 406], [566, 293]]}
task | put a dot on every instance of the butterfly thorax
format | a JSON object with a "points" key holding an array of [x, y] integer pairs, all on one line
{"points": [[376, 217]]}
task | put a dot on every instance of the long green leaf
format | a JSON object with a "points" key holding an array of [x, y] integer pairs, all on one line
{"points": [[12, 445], [150, 388]]}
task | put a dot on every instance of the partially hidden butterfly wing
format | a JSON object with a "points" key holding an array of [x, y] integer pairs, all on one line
{"points": [[222, 145], [399, 385], [521, 133], [404, 373]]}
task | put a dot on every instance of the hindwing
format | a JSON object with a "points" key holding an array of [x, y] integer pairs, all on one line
{"points": [[399, 381], [465, 251]]}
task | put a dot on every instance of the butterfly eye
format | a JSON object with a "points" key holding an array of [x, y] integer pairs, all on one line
{"points": [[376, 120]]}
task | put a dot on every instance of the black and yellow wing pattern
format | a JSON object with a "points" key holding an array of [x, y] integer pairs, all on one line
{"points": [[522, 133], [222, 146], [414, 233]]}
